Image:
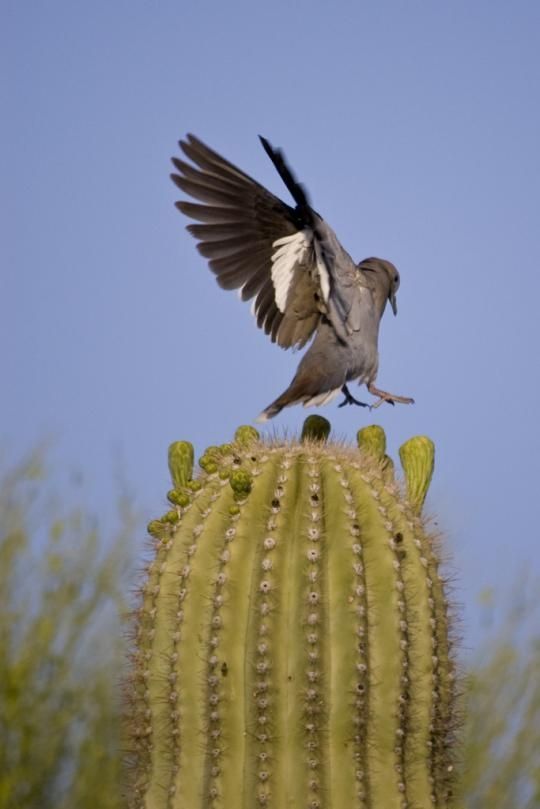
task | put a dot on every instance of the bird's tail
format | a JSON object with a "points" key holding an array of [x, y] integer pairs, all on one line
{"points": [[269, 412], [293, 396]]}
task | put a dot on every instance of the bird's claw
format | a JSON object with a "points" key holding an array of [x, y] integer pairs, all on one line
{"points": [[352, 401], [349, 399], [379, 403], [392, 401]]}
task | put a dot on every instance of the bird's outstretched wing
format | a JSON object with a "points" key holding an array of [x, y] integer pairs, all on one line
{"points": [[288, 259]]}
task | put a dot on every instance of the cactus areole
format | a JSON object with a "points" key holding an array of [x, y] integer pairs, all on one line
{"points": [[292, 643]]}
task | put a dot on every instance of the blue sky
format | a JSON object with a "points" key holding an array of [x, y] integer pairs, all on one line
{"points": [[416, 128]]}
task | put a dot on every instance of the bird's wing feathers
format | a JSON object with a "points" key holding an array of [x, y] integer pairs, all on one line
{"points": [[287, 259]]}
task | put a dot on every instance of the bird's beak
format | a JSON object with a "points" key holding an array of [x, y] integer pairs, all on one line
{"points": [[393, 302]]}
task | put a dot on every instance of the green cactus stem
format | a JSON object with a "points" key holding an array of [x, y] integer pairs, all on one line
{"points": [[316, 428], [292, 639], [181, 463], [417, 457], [372, 442]]}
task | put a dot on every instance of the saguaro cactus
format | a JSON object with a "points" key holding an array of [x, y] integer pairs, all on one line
{"points": [[292, 645]]}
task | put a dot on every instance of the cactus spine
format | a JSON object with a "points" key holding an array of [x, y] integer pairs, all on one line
{"points": [[292, 643]]}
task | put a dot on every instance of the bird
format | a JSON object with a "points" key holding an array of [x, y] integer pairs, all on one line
{"points": [[304, 284]]}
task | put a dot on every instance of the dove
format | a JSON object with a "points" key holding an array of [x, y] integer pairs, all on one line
{"points": [[304, 284]]}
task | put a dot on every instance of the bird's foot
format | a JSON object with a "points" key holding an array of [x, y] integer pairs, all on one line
{"points": [[349, 398], [387, 397]]}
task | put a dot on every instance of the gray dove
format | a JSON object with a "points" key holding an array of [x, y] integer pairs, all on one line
{"points": [[289, 260]]}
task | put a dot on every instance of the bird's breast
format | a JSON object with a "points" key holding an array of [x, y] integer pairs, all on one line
{"points": [[363, 356]]}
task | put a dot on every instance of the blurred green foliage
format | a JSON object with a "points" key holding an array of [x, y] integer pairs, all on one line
{"points": [[501, 756], [61, 648], [62, 652]]}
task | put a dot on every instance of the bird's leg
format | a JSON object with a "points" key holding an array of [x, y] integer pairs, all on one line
{"points": [[387, 397], [349, 398]]}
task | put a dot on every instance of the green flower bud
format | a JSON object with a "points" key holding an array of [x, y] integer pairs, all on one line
{"points": [[246, 435], [241, 482]]}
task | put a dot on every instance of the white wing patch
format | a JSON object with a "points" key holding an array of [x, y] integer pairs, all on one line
{"points": [[291, 250], [324, 278]]}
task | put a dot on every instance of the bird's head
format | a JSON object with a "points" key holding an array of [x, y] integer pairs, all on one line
{"points": [[385, 279]]}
